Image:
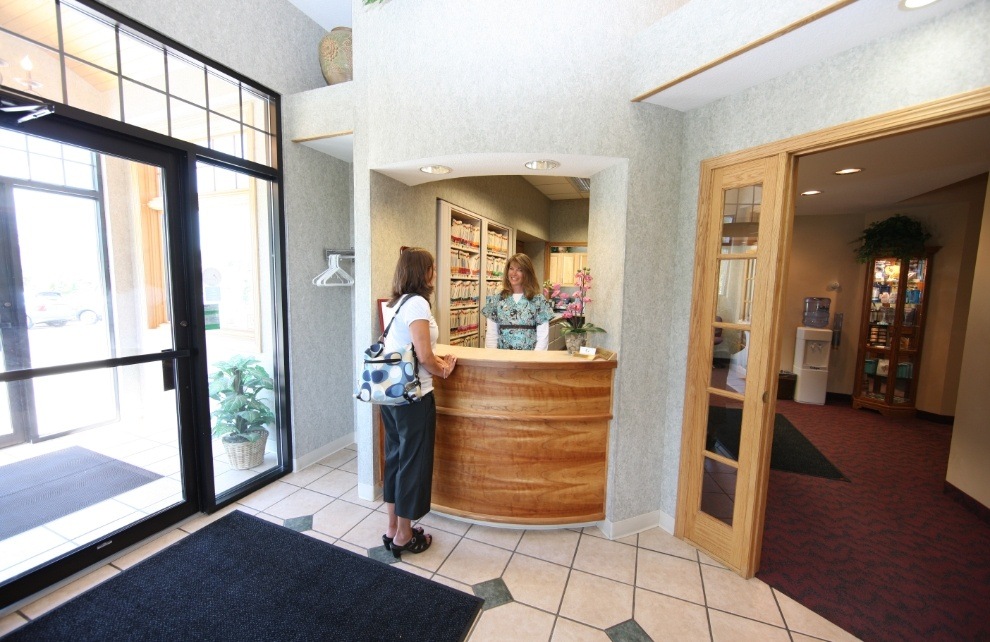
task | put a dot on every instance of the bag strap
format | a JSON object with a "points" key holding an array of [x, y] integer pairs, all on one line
{"points": [[381, 339]]}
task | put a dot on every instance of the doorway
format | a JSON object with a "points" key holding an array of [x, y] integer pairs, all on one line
{"points": [[693, 523]]}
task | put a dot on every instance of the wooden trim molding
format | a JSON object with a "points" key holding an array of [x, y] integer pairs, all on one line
{"points": [[309, 139]]}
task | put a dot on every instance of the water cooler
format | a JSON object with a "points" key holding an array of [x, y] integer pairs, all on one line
{"points": [[811, 353]]}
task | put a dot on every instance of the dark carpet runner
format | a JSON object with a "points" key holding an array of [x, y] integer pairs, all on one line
{"points": [[44, 488], [888, 556], [242, 578]]}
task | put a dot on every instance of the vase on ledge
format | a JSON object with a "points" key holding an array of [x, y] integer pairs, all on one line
{"points": [[335, 56], [574, 341]]}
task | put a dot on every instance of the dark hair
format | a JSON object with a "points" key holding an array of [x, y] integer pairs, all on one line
{"points": [[531, 287], [412, 274]]}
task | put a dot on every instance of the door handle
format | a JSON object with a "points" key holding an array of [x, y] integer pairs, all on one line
{"points": [[766, 396], [168, 374]]}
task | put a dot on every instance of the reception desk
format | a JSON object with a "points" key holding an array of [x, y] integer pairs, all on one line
{"points": [[522, 437]]}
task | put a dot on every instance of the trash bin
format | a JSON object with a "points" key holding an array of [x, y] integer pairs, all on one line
{"points": [[785, 385]]}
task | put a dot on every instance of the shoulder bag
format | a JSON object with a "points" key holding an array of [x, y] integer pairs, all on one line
{"points": [[390, 379]]}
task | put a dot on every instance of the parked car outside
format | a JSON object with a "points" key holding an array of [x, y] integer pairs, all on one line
{"points": [[55, 309]]}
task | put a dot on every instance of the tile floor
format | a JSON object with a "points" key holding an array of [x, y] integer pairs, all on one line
{"points": [[546, 585]]}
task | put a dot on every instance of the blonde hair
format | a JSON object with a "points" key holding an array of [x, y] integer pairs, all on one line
{"points": [[531, 287]]}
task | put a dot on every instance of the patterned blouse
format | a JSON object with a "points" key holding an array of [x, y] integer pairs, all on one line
{"points": [[520, 316]]}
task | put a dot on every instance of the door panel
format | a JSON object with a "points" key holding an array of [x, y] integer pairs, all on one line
{"points": [[728, 418]]}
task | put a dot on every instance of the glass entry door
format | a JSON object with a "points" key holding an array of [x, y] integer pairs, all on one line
{"points": [[94, 352]]}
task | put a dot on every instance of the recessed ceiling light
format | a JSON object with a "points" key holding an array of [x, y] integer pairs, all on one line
{"points": [[916, 4], [811, 192], [849, 170], [542, 164], [436, 169]]}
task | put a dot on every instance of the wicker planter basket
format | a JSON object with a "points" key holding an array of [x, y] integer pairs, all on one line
{"points": [[246, 454]]}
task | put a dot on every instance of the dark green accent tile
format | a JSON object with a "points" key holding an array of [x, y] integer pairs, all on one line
{"points": [[304, 523], [493, 592], [382, 554], [628, 631]]}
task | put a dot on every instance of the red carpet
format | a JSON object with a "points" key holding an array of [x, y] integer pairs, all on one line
{"points": [[887, 556]]}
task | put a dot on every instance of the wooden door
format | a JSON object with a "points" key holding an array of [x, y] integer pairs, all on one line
{"points": [[732, 380]]}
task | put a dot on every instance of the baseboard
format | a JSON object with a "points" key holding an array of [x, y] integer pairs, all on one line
{"points": [[323, 452], [967, 502], [638, 524], [948, 420]]}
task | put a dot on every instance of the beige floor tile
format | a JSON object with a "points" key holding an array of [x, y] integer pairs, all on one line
{"points": [[28, 544], [801, 619], [353, 497], [657, 539], [415, 570], [731, 628], [368, 532], [278, 521], [460, 586], [10, 622], [668, 618], [613, 560], [339, 517], [432, 520], [306, 476], [42, 605], [513, 621], [596, 601], [555, 546], [302, 502], [536, 582], [751, 598], [594, 531], [670, 575], [338, 458], [473, 562], [502, 537], [568, 631], [268, 496], [149, 549], [707, 560], [335, 483], [350, 466], [351, 547]]}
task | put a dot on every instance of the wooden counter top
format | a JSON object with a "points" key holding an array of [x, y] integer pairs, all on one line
{"points": [[522, 437]]}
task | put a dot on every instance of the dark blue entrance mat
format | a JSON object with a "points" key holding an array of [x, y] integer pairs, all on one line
{"points": [[42, 489], [242, 578]]}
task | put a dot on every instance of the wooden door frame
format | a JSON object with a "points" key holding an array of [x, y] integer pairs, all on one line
{"points": [[963, 106]]}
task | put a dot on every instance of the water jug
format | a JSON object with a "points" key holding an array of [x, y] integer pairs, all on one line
{"points": [[816, 311]]}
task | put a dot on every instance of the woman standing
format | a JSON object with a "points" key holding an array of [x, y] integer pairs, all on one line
{"points": [[518, 316], [410, 429]]}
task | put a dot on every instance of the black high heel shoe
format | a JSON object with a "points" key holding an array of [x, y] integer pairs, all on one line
{"points": [[419, 543], [387, 541]]}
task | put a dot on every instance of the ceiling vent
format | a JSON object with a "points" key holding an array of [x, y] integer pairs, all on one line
{"points": [[582, 185]]}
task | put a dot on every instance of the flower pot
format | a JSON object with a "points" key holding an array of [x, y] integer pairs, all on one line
{"points": [[335, 56], [245, 454], [574, 341]]}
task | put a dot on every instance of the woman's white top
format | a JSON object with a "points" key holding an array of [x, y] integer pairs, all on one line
{"points": [[414, 309]]}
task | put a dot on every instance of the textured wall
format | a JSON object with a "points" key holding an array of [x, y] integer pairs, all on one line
{"points": [[569, 220]]}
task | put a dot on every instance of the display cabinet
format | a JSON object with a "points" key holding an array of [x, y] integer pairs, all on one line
{"points": [[891, 334], [471, 254]]}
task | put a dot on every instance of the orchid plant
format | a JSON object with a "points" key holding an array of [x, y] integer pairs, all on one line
{"points": [[575, 303]]}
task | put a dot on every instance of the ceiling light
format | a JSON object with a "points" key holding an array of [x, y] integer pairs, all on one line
{"points": [[542, 164], [436, 169], [848, 170], [916, 4], [811, 192]]}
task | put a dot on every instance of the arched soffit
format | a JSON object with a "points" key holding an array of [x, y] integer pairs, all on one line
{"points": [[501, 164]]}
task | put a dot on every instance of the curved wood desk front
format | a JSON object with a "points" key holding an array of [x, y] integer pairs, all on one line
{"points": [[522, 437]]}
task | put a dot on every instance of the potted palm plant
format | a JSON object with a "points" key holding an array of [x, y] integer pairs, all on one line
{"points": [[241, 418]]}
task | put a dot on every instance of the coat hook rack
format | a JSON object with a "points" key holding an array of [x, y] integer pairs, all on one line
{"points": [[334, 275]]}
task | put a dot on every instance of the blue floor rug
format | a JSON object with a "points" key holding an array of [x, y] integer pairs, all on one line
{"points": [[42, 489], [242, 578]]}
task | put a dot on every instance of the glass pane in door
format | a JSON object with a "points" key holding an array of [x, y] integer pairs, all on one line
{"points": [[238, 285]]}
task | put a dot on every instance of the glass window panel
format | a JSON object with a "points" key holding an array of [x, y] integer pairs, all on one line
{"points": [[13, 154], [142, 61], [735, 292], [89, 37], [904, 372], [257, 110], [92, 89], [224, 180], [46, 169], [145, 108], [188, 122], [741, 219], [724, 423], [32, 69], [77, 154], [718, 490], [225, 135], [34, 19], [186, 79], [258, 146], [79, 175], [225, 95]]}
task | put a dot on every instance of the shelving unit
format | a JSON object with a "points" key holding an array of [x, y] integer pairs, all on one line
{"points": [[887, 363], [471, 253]]}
